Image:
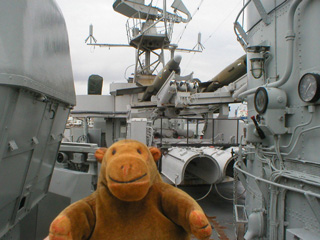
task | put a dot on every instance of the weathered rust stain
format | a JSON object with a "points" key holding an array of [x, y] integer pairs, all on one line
{"points": [[218, 228]]}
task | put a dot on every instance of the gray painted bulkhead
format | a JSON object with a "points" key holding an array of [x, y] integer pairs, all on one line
{"points": [[36, 94], [282, 174]]}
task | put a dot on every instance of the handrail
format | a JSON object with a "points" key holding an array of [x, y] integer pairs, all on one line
{"points": [[237, 26], [137, 23], [213, 120]]}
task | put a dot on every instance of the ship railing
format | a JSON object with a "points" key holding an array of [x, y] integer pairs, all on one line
{"points": [[202, 137], [135, 27], [239, 30]]}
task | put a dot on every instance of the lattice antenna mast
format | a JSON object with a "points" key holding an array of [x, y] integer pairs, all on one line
{"points": [[149, 31]]}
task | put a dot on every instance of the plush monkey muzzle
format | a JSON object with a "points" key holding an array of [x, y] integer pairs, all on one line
{"points": [[128, 177]]}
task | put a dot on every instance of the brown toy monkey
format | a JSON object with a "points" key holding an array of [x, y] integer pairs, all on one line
{"points": [[131, 202]]}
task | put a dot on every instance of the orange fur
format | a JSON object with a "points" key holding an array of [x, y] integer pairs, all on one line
{"points": [[131, 202]]}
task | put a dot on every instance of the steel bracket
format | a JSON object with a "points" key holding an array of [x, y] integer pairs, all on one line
{"points": [[314, 205], [262, 11], [264, 189], [242, 178], [244, 37], [53, 137], [13, 146], [35, 141]]}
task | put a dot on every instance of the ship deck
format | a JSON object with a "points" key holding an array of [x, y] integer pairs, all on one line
{"points": [[216, 206]]}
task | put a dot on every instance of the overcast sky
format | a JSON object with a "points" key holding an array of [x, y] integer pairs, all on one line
{"points": [[214, 20]]}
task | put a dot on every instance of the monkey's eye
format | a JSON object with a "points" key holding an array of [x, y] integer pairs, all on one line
{"points": [[114, 152], [138, 150]]}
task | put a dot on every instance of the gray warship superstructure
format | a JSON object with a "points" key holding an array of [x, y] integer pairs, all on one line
{"points": [[36, 95], [281, 167], [273, 152], [168, 110], [188, 119]]}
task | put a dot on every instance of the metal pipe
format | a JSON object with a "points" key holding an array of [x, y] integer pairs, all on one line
{"points": [[237, 132], [165, 16], [161, 132], [187, 131], [274, 193], [236, 167], [212, 131], [282, 212], [290, 39], [298, 137], [239, 91], [273, 210], [286, 174], [85, 129], [294, 131]]}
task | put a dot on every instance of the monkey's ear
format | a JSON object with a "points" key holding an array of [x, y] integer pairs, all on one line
{"points": [[156, 153], [100, 153]]}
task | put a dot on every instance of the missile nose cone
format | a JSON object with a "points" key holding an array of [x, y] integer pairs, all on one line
{"points": [[177, 59], [174, 63]]}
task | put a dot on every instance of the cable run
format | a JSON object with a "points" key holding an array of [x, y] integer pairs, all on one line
{"points": [[226, 198], [206, 195], [220, 24]]}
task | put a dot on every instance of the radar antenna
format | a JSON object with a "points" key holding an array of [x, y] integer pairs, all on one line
{"points": [[199, 46], [90, 37]]}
